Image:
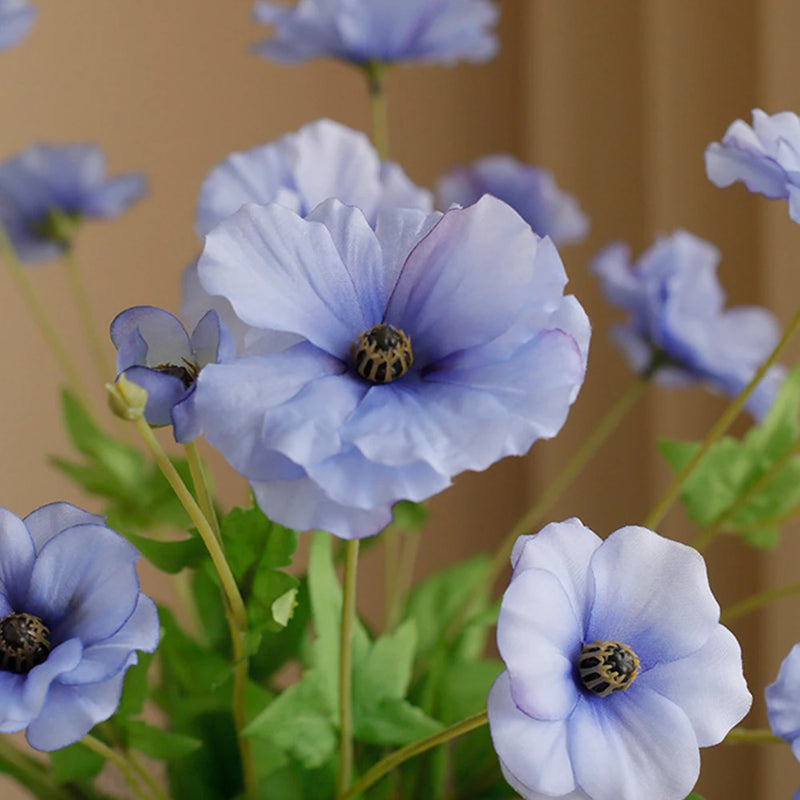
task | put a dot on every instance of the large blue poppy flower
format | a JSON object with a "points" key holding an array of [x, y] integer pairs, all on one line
{"points": [[531, 191], [336, 428], [678, 329], [617, 668], [71, 620], [362, 31], [16, 19], [47, 190]]}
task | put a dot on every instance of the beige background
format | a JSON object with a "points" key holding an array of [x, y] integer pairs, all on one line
{"points": [[617, 97]]}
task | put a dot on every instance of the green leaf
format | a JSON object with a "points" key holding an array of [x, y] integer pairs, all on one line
{"points": [[464, 688], [385, 671], [409, 516], [170, 556], [694, 796], [135, 688], [75, 763], [392, 722], [157, 743]]}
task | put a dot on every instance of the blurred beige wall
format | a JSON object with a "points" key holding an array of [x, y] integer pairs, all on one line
{"points": [[618, 97]]}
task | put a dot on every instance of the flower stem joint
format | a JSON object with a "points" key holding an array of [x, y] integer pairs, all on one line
{"points": [[606, 667], [382, 354]]}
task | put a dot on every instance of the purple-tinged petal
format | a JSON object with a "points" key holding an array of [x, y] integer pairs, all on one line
{"points": [[18, 552], [783, 700], [163, 333], [211, 341], [49, 520], [16, 20], [115, 195], [651, 616], [163, 392]]}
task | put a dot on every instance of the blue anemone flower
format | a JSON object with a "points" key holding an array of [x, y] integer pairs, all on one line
{"points": [[364, 31], [429, 345], [155, 351], [531, 191], [323, 159], [617, 668], [16, 19], [47, 190], [765, 157], [71, 620], [783, 701], [678, 329]]}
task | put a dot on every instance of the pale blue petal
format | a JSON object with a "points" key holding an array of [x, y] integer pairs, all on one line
{"points": [[783, 698], [48, 521], [18, 552]]}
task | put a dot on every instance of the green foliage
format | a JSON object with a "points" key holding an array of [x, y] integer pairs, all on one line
{"points": [[75, 763], [409, 516], [747, 487]]}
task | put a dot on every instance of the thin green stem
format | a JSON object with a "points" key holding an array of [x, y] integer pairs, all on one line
{"points": [[379, 107], [721, 426], [394, 760], [241, 673], [756, 601], [156, 790], [201, 486], [227, 581], [391, 557], [349, 581], [400, 564], [41, 317], [97, 343], [120, 761], [752, 736], [31, 773]]}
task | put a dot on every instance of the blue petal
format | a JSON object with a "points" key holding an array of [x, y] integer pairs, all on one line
{"points": [[114, 195], [163, 392], [783, 698], [48, 521], [16, 20], [211, 341], [163, 333], [17, 562]]}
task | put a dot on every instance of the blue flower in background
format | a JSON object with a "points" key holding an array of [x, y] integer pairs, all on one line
{"points": [[364, 31], [155, 351], [765, 157], [16, 20], [678, 329], [47, 190], [617, 668], [783, 701], [429, 345], [323, 159], [531, 191], [71, 620]]}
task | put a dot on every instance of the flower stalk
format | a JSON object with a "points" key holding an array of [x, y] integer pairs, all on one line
{"points": [[379, 107], [123, 764], [201, 486], [756, 601]]}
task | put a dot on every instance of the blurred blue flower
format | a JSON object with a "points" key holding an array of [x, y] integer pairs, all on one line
{"points": [[71, 620], [155, 352], [16, 19], [364, 31], [765, 157], [426, 346], [783, 701], [528, 189], [617, 668], [323, 159], [47, 190], [678, 330]]}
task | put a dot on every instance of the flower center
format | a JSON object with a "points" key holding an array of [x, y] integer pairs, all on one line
{"points": [[187, 371], [24, 642], [382, 354], [607, 667], [57, 226]]}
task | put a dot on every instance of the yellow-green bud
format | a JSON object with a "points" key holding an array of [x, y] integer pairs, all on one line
{"points": [[126, 399]]}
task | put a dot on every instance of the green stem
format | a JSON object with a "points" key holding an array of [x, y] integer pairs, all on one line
{"points": [[393, 760], [97, 343], [152, 784], [30, 773], [379, 107], [751, 736], [756, 601], [201, 486], [400, 566], [344, 777], [721, 426], [241, 673], [119, 760], [41, 318]]}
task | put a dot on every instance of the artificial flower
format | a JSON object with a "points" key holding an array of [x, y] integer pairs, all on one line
{"points": [[47, 190], [155, 351], [429, 345], [765, 157], [617, 668], [531, 191], [385, 31], [783, 701], [678, 330], [71, 620], [16, 19], [323, 159]]}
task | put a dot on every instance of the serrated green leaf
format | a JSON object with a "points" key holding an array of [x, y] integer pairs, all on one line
{"points": [[157, 743], [392, 722], [170, 556], [283, 607], [464, 688], [385, 671], [75, 763]]}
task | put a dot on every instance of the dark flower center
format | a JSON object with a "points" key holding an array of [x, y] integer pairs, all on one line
{"points": [[187, 371], [382, 354], [57, 226], [24, 642], [606, 667]]}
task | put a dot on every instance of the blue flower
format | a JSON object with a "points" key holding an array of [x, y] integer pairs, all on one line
{"points": [[617, 668], [765, 157], [528, 189], [678, 330], [155, 352], [47, 190], [783, 701], [426, 346], [71, 620], [364, 31], [323, 159], [16, 19]]}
